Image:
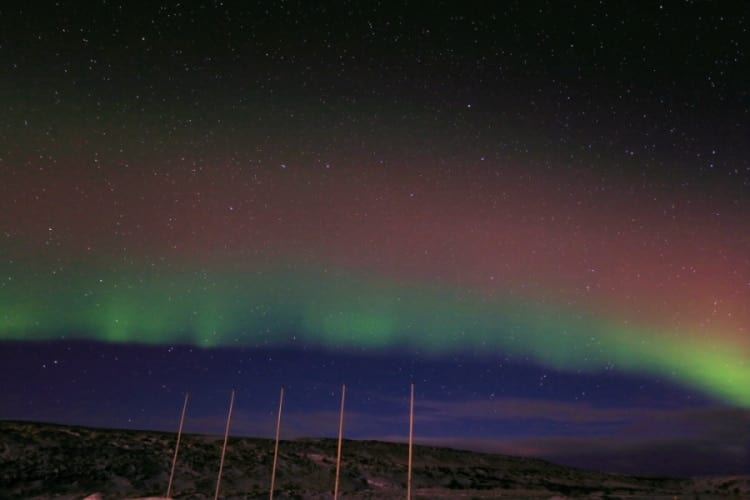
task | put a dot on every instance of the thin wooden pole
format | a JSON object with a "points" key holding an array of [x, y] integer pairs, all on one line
{"points": [[341, 434], [224, 449], [276, 448], [411, 442], [177, 446]]}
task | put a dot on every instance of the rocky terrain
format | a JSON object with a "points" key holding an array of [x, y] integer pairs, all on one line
{"points": [[52, 461]]}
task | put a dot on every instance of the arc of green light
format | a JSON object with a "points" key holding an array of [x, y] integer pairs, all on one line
{"points": [[229, 308]]}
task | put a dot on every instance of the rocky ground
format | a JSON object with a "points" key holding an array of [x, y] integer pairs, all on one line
{"points": [[52, 461]]}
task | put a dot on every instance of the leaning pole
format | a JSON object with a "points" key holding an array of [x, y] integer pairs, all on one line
{"points": [[411, 443], [177, 447], [224, 448], [276, 448], [341, 434]]}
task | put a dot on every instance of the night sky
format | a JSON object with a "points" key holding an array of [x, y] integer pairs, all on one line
{"points": [[537, 212]]}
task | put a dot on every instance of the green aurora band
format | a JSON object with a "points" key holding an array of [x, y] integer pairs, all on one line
{"points": [[279, 306]]}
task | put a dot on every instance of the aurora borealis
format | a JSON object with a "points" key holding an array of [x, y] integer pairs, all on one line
{"points": [[334, 279], [439, 192]]}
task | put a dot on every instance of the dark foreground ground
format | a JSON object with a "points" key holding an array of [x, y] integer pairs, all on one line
{"points": [[53, 461]]}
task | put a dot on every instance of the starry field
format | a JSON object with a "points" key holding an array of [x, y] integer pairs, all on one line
{"points": [[537, 213]]}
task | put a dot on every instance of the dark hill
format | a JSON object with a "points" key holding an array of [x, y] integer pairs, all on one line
{"points": [[53, 461]]}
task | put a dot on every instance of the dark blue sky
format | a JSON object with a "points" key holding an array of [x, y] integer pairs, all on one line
{"points": [[481, 402]]}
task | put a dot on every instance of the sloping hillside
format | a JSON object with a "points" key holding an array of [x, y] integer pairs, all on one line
{"points": [[44, 460]]}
